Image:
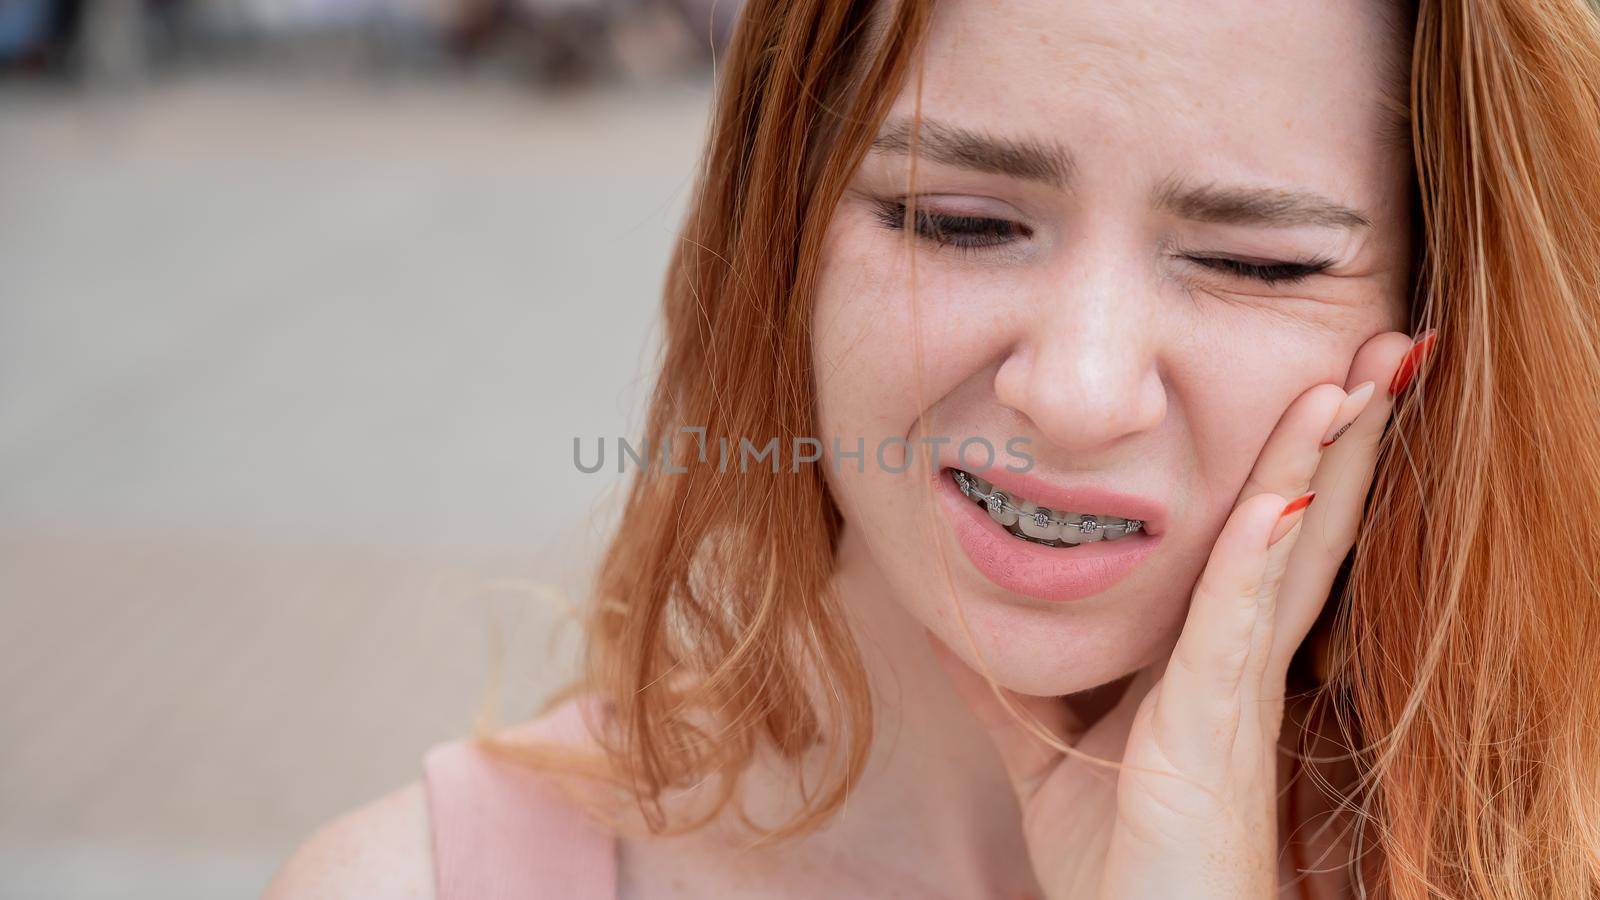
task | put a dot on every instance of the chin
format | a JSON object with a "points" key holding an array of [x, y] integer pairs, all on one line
{"points": [[1037, 650]]}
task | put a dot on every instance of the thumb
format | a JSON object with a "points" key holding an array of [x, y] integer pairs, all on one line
{"points": [[1027, 758]]}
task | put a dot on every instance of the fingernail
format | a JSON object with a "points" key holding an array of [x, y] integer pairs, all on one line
{"points": [[1290, 515], [1349, 411], [1413, 362]]}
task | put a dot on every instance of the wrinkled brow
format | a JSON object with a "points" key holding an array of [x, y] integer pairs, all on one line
{"points": [[1050, 163]]}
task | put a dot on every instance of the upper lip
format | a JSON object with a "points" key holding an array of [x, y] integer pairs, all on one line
{"points": [[1081, 497]]}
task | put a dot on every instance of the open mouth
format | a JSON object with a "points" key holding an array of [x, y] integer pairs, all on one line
{"points": [[1028, 521]]}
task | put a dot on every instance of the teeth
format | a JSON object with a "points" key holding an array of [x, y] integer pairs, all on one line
{"points": [[1000, 508], [1037, 523], [1029, 521], [1085, 527]]}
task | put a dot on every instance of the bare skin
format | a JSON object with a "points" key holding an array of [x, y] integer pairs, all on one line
{"points": [[1095, 326]]}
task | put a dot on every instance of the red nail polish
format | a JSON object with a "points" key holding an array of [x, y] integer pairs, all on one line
{"points": [[1350, 409], [1412, 362], [1290, 515]]}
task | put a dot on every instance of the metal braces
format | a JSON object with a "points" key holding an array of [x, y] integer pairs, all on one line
{"points": [[998, 501]]}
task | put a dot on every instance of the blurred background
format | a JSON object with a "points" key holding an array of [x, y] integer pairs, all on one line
{"points": [[302, 304]]}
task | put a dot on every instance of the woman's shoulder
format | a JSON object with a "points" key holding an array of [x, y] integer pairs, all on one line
{"points": [[478, 824], [382, 849]]}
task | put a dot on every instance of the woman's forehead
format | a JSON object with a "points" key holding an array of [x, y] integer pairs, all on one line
{"points": [[1272, 91]]}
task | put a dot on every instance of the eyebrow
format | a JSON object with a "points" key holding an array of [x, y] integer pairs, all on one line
{"points": [[1049, 163], [1255, 206], [1024, 158]]}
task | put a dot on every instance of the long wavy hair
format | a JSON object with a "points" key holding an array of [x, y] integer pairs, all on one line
{"points": [[1453, 670]]}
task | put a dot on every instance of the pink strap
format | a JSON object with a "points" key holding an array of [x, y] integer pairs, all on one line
{"points": [[504, 831]]}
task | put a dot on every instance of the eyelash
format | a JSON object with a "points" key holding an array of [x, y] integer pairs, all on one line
{"points": [[975, 233], [965, 233], [1267, 273]]}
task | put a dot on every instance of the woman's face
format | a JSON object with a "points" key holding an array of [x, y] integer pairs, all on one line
{"points": [[1147, 228]]}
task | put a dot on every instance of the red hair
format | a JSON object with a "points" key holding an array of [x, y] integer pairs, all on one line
{"points": [[1454, 659]]}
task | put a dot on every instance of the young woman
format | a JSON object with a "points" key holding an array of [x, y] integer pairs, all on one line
{"points": [[1277, 319]]}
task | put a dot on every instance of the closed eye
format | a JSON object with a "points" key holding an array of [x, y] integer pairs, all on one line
{"points": [[945, 230], [976, 233], [1267, 273]]}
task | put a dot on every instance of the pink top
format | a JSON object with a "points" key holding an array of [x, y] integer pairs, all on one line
{"points": [[504, 831]]}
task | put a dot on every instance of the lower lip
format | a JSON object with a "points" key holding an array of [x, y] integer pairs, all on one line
{"points": [[1035, 570]]}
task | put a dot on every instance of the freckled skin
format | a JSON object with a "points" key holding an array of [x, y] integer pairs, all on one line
{"points": [[1125, 365]]}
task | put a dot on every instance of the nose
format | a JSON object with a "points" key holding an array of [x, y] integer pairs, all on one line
{"points": [[1085, 367]]}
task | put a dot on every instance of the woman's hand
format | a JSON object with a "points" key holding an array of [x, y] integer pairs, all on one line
{"points": [[1193, 813]]}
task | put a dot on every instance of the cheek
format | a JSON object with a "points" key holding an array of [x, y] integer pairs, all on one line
{"points": [[869, 396], [1240, 371], [857, 374], [862, 324], [845, 320]]}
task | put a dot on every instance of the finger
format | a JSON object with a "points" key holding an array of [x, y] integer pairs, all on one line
{"points": [[1199, 700], [1028, 759], [1284, 468], [1342, 479], [1287, 460]]}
